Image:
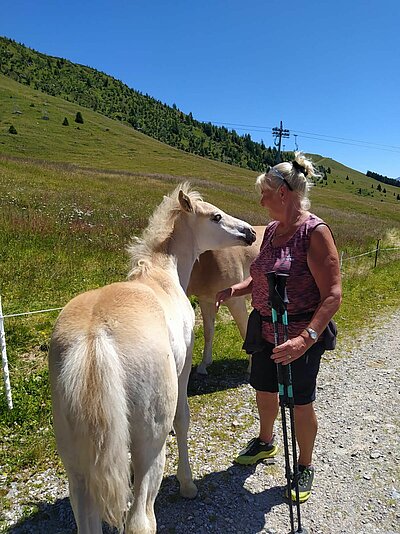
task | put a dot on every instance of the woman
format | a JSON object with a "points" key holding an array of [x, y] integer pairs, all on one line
{"points": [[301, 245]]}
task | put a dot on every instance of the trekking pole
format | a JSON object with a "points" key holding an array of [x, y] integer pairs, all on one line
{"points": [[278, 301]]}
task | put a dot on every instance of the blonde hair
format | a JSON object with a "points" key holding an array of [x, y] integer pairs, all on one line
{"points": [[294, 174]]}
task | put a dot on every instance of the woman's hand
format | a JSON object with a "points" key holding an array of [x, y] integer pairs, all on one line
{"points": [[222, 296], [238, 290], [289, 351]]}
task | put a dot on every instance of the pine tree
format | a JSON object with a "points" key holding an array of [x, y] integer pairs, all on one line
{"points": [[12, 130], [79, 118], [65, 122]]}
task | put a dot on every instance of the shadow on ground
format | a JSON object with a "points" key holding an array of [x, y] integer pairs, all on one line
{"points": [[222, 505], [222, 374]]}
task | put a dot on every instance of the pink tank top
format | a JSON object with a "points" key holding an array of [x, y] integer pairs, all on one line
{"points": [[289, 258]]}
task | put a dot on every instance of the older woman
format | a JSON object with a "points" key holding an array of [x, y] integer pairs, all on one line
{"points": [[301, 245]]}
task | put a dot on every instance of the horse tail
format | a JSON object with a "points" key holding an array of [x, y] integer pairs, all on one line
{"points": [[93, 383]]}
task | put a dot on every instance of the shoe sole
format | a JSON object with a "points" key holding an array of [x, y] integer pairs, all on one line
{"points": [[303, 497], [250, 460]]}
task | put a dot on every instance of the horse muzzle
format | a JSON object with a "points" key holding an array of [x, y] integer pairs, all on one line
{"points": [[249, 235]]}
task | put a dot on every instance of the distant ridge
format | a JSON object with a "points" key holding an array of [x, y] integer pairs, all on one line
{"points": [[383, 179]]}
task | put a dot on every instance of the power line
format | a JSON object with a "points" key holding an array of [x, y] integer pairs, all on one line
{"points": [[250, 126], [370, 146], [346, 139], [315, 136]]}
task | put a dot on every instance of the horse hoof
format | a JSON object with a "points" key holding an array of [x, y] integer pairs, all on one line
{"points": [[189, 491], [201, 370]]}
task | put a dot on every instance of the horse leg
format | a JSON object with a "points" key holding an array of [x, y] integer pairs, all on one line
{"points": [[85, 511], [148, 468], [208, 312], [152, 420], [238, 309], [188, 488]]}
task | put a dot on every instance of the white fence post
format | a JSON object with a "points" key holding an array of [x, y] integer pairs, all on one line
{"points": [[4, 360]]}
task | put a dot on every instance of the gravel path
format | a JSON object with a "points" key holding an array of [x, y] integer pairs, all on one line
{"points": [[357, 484]]}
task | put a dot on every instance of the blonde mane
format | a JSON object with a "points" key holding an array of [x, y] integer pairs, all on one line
{"points": [[156, 235]]}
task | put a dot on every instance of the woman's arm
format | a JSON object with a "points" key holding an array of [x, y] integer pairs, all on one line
{"points": [[323, 261], [237, 290]]}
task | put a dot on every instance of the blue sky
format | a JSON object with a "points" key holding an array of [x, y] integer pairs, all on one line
{"points": [[330, 70]]}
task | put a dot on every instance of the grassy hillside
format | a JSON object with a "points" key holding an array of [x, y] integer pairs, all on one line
{"points": [[99, 142], [102, 93], [72, 196], [102, 143]]}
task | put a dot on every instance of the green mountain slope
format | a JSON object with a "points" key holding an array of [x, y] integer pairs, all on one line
{"points": [[104, 94], [98, 142]]}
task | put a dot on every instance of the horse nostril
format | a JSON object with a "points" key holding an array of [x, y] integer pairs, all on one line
{"points": [[251, 235]]}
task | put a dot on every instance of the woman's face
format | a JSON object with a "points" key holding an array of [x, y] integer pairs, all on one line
{"points": [[270, 199]]}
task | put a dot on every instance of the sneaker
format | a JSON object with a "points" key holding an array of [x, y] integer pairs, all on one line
{"points": [[256, 450], [305, 483]]}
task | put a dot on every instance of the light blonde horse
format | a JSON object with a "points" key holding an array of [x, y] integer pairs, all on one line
{"points": [[215, 270], [120, 358]]}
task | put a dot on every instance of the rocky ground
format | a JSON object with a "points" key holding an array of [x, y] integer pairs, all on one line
{"points": [[357, 484]]}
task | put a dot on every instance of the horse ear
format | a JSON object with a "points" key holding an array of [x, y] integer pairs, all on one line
{"points": [[185, 203]]}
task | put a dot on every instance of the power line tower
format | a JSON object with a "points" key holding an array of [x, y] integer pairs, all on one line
{"points": [[279, 133]]}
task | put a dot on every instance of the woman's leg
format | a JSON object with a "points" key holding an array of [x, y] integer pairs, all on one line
{"points": [[268, 406], [306, 426], [263, 447]]}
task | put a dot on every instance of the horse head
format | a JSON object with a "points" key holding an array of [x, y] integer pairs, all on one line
{"points": [[212, 227]]}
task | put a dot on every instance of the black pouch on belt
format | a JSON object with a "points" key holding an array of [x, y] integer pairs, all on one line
{"points": [[254, 342], [329, 335]]}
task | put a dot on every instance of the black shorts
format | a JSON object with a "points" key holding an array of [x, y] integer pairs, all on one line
{"points": [[263, 376]]}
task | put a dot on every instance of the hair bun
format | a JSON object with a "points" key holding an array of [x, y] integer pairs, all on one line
{"points": [[299, 167]]}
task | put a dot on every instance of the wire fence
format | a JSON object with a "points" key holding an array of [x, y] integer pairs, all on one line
{"points": [[6, 374], [4, 359], [375, 252]]}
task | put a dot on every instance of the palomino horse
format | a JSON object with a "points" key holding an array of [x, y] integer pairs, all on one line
{"points": [[120, 358], [215, 270]]}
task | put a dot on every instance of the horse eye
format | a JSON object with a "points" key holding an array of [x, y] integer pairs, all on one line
{"points": [[217, 217]]}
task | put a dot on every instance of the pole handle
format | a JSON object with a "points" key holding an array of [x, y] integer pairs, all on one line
{"points": [[278, 299]]}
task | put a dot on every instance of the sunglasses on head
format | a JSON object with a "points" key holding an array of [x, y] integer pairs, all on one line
{"points": [[275, 172]]}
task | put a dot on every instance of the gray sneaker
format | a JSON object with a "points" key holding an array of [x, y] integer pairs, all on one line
{"points": [[255, 451], [306, 479]]}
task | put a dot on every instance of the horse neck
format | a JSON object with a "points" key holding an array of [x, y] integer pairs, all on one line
{"points": [[183, 247]]}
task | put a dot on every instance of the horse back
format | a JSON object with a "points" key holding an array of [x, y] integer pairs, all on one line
{"points": [[143, 319], [119, 309]]}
